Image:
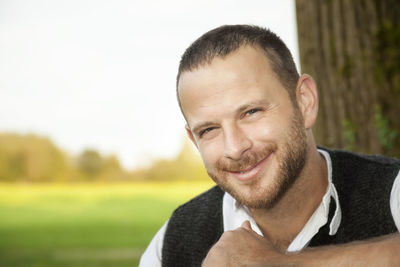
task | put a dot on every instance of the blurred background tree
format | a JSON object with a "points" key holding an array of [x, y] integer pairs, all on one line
{"points": [[32, 158], [187, 165], [90, 163], [351, 48]]}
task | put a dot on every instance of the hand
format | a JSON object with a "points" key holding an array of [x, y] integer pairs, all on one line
{"points": [[242, 247]]}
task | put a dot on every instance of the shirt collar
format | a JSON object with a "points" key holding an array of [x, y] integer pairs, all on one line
{"points": [[331, 192]]}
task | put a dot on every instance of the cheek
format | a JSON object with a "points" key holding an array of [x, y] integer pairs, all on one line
{"points": [[264, 130], [210, 152]]}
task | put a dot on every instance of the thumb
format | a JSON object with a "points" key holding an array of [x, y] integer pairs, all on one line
{"points": [[246, 225]]}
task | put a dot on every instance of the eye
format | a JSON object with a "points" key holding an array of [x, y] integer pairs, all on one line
{"points": [[205, 131], [252, 111]]}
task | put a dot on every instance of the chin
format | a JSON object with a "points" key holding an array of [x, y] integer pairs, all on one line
{"points": [[264, 200], [253, 195]]}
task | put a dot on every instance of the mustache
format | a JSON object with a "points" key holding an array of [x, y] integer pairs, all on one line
{"points": [[248, 160]]}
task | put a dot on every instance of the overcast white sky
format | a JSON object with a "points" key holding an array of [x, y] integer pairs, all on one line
{"points": [[101, 74]]}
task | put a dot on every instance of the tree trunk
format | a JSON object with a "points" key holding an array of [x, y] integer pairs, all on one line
{"points": [[351, 48]]}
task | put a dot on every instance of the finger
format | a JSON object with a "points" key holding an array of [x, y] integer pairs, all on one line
{"points": [[246, 225]]}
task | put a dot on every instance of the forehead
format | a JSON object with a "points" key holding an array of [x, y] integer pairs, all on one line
{"points": [[253, 57], [244, 75]]}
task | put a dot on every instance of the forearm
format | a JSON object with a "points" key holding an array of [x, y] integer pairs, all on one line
{"points": [[244, 247], [384, 251]]}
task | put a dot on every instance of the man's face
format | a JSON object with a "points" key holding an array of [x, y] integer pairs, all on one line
{"points": [[250, 135]]}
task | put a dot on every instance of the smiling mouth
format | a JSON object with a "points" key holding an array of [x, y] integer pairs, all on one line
{"points": [[251, 172]]}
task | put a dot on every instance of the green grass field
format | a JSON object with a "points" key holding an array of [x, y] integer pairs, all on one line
{"points": [[85, 224]]}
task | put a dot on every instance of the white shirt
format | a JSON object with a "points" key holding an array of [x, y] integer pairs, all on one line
{"points": [[234, 214]]}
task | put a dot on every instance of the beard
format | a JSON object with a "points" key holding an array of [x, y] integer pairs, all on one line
{"points": [[291, 158]]}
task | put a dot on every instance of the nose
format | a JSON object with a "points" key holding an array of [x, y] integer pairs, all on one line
{"points": [[236, 142]]}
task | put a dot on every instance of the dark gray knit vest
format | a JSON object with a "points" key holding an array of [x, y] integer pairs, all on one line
{"points": [[363, 184]]}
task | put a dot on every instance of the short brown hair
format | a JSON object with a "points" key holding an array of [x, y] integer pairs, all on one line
{"points": [[226, 39]]}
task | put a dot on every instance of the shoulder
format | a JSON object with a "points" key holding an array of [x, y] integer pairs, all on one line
{"points": [[212, 196], [193, 228], [376, 159], [364, 184], [360, 166], [195, 212], [365, 178]]}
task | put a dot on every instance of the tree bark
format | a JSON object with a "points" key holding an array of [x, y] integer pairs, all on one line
{"points": [[351, 48]]}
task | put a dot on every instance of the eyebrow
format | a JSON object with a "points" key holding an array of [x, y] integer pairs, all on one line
{"points": [[239, 110]]}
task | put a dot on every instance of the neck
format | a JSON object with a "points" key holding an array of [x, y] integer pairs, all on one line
{"points": [[282, 223]]}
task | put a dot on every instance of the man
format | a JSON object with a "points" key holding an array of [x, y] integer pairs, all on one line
{"points": [[250, 114]]}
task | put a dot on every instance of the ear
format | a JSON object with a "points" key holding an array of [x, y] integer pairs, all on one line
{"points": [[307, 99], [190, 135]]}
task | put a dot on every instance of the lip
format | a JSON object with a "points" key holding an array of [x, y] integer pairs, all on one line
{"points": [[251, 172]]}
